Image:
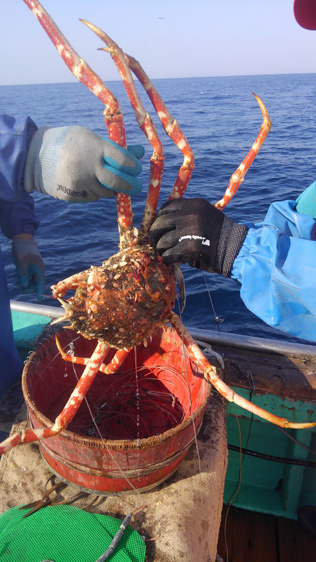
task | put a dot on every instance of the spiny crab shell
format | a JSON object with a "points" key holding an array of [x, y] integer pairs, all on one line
{"points": [[124, 300]]}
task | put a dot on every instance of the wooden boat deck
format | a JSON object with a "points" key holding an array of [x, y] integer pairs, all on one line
{"points": [[257, 537]]}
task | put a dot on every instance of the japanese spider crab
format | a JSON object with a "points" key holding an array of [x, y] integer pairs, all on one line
{"points": [[122, 302]]}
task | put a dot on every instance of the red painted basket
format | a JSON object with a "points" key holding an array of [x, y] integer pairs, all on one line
{"points": [[143, 414]]}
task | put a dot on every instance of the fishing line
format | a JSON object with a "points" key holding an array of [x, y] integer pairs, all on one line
{"points": [[237, 487], [191, 410], [137, 396], [242, 455], [217, 319]]}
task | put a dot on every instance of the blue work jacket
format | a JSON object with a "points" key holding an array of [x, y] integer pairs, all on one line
{"points": [[16, 217], [16, 206], [276, 268]]}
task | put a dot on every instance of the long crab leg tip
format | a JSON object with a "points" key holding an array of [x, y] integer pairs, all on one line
{"points": [[229, 394], [101, 34], [264, 110], [238, 176], [173, 130]]}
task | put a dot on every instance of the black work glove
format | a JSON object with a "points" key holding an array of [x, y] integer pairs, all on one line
{"points": [[193, 231]]}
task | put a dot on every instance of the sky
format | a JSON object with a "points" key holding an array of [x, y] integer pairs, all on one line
{"points": [[171, 38]]}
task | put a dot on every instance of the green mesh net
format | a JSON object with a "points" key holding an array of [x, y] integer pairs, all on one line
{"points": [[65, 534]]}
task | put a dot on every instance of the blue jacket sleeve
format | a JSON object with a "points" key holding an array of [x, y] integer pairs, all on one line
{"points": [[16, 206], [276, 268]]}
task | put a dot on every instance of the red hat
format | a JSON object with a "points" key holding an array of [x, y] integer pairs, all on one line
{"points": [[305, 13]]}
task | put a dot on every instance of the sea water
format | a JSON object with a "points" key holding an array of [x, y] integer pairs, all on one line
{"points": [[221, 120]]}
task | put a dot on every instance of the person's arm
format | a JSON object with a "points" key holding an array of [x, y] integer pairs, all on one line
{"points": [[277, 274], [289, 220], [18, 217], [29, 265], [276, 269], [69, 163], [15, 138], [19, 223]]}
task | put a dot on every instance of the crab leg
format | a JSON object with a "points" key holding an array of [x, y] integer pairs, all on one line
{"points": [[112, 113], [125, 63], [70, 409], [171, 127], [210, 374], [145, 123], [72, 282], [109, 369], [239, 175]]}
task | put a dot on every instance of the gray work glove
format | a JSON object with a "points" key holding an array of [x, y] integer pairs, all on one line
{"points": [[29, 266], [76, 165]]}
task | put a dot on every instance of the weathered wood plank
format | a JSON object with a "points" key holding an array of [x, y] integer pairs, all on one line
{"points": [[250, 537], [295, 544], [257, 537], [273, 373]]}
